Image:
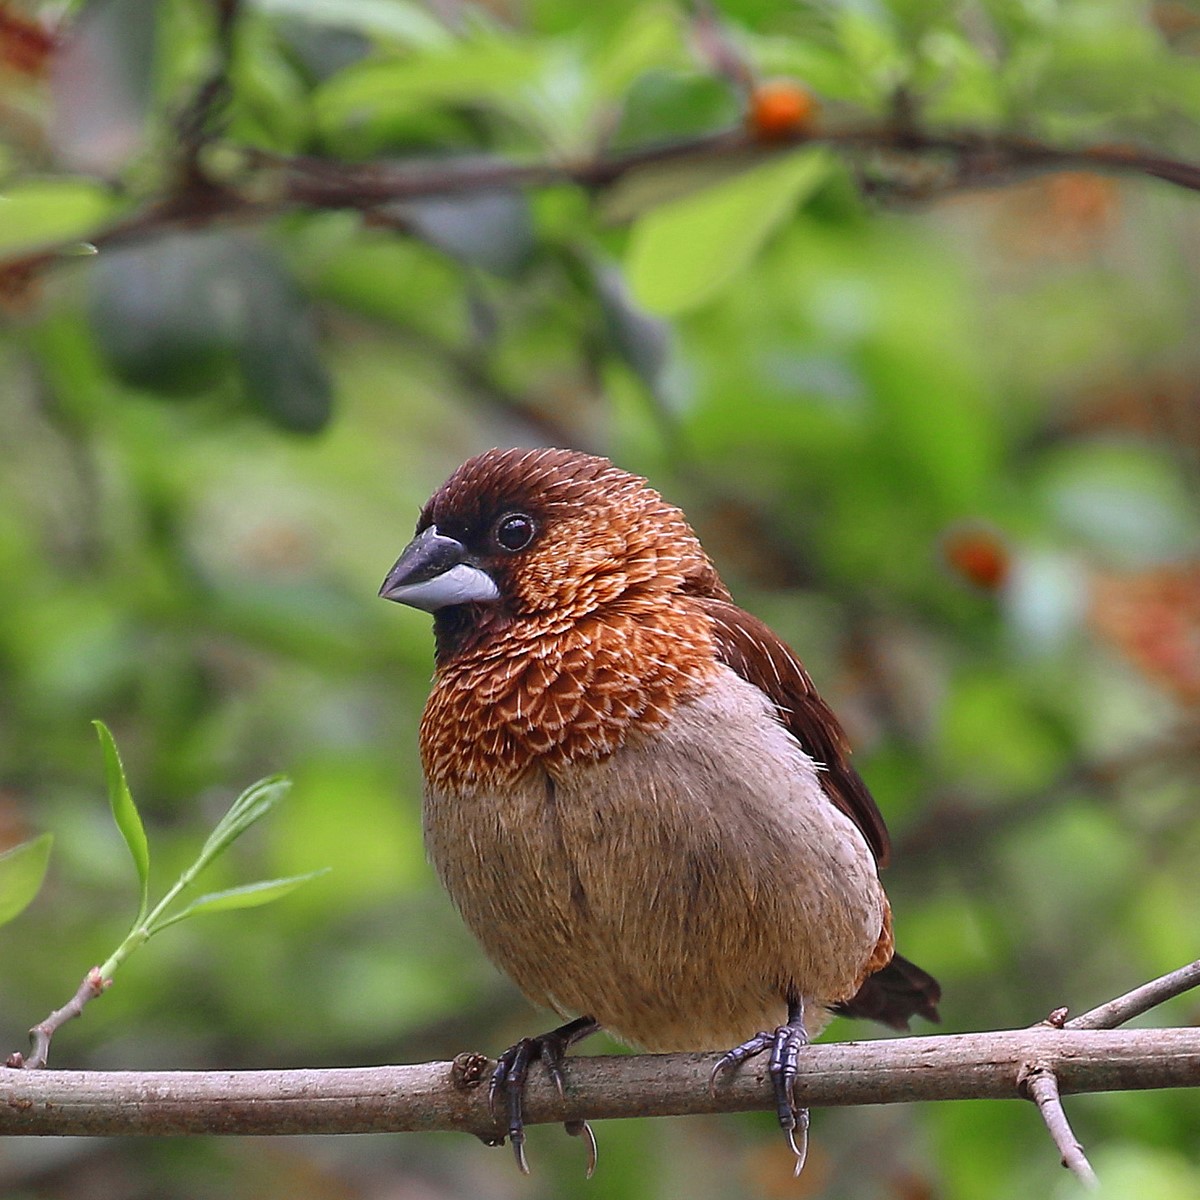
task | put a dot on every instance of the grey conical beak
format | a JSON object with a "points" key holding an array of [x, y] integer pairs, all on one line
{"points": [[435, 572]]}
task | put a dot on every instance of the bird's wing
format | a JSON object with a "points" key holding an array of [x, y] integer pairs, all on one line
{"points": [[757, 654], [893, 994]]}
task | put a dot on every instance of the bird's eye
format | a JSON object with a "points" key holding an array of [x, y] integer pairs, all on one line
{"points": [[514, 531]]}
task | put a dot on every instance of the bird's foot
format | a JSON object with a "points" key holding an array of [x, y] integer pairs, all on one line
{"points": [[512, 1071], [785, 1044]]}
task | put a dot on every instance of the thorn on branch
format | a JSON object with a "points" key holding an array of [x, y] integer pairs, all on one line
{"points": [[1040, 1085], [1056, 1019]]}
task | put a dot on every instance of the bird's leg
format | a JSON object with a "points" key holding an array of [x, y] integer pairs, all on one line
{"points": [[785, 1044], [512, 1068]]}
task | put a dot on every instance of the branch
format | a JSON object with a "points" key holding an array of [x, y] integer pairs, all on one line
{"points": [[193, 127], [989, 156], [448, 1096], [93, 985], [1041, 1086], [273, 185], [1141, 999]]}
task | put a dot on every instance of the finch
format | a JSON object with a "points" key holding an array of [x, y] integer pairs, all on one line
{"points": [[633, 793]]}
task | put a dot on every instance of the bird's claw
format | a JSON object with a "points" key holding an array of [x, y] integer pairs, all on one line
{"points": [[797, 1138], [512, 1071], [785, 1044], [584, 1130], [734, 1058]]}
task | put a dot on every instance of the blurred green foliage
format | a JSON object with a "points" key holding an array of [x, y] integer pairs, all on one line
{"points": [[949, 448]]}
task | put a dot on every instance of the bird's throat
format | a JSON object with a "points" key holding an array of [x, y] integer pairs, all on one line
{"points": [[553, 696]]}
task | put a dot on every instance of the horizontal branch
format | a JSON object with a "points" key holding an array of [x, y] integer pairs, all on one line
{"points": [[449, 1096], [326, 183], [271, 185]]}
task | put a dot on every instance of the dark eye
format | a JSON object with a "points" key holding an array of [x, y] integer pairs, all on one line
{"points": [[514, 531]]}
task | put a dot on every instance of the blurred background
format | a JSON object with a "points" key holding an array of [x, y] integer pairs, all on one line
{"points": [[937, 422]]}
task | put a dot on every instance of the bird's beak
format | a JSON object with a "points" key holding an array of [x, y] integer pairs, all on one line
{"points": [[435, 572]]}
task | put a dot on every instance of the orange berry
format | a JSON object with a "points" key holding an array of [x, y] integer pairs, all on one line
{"points": [[779, 109], [25, 45], [978, 556]]}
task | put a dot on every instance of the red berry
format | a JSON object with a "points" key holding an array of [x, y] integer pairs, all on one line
{"points": [[779, 109], [978, 556]]}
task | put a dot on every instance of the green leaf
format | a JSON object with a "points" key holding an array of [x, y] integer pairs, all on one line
{"points": [[657, 185], [491, 67], [682, 254], [248, 895], [126, 815], [407, 23], [279, 352], [33, 215], [22, 870], [251, 806], [663, 105], [165, 312], [492, 229], [652, 37]]}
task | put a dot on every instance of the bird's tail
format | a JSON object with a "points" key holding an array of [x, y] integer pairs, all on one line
{"points": [[894, 994]]}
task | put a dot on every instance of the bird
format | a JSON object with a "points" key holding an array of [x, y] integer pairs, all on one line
{"points": [[633, 793]]}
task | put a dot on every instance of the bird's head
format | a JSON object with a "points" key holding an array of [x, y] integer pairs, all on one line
{"points": [[540, 539]]}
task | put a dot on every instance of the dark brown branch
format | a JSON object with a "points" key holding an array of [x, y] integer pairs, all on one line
{"points": [[1141, 999], [322, 182], [194, 127], [39, 1036], [1041, 1087], [448, 1096], [275, 185]]}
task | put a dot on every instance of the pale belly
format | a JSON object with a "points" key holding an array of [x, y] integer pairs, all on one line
{"points": [[679, 890]]}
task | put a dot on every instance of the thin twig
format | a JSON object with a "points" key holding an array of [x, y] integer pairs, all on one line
{"points": [[194, 126], [92, 986], [1141, 999], [1041, 1086]]}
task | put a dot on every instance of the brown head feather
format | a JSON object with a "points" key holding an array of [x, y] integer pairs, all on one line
{"points": [[603, 535], [593, 633]]}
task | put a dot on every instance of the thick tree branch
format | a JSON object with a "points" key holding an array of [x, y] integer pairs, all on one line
{"points": [[448, 1096]]}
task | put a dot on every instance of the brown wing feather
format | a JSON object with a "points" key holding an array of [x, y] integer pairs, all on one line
{"points": [[757, 654], [893, 994]]}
